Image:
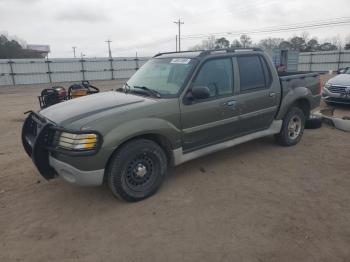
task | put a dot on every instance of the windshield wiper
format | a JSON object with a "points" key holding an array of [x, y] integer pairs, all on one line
{"points": [[125, 88], [151, 91]]}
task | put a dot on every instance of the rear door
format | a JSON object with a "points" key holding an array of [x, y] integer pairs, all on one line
{"points": [[259, 93], [215, 119]]}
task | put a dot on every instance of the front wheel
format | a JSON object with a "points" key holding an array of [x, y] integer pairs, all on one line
{"points": [[137, 170], [292, 127]]}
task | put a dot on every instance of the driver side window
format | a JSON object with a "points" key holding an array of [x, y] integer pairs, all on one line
{"points": [[217, 75]]}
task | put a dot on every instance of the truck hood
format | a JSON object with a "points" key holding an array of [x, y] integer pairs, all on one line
{"points": [[342, 80], [76, 109]]}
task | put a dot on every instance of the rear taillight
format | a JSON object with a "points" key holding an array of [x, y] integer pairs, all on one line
{"points": [[320, 87]]}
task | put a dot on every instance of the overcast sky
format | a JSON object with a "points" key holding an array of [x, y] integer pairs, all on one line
{"points": [[147, 26]]}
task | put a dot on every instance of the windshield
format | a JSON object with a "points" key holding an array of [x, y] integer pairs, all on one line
{"points": [[347, 71], [163, 75]]}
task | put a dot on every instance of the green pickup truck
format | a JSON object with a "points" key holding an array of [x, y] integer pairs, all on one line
{"points": [[176, 107]]}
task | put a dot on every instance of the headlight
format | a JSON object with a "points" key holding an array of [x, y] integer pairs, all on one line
{"points": [[327, 85], [78, 142]]}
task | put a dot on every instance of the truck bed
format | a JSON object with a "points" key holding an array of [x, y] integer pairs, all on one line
{"points": [[293, 83], [290, 80], [296, 73]]}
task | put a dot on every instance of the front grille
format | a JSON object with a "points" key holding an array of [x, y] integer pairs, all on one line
{"points": [[33, 127], [337, 89], [338, 100], [37, 138]]}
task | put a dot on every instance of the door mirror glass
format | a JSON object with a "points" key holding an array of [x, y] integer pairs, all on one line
{"points": [[200, 92]]}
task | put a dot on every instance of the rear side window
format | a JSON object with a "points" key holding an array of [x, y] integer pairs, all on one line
{"points": [[251, 73]]}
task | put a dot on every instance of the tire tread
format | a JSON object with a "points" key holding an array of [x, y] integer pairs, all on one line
{"points": [[113, 170], [282, 137]]}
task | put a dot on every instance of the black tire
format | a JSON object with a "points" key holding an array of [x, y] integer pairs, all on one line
{"points": [[137, 170], [313, 122], [287, 137]]}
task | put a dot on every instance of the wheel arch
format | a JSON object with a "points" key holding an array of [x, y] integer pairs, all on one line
{"points": [[159, 139], [305, 105], [299, 97]]}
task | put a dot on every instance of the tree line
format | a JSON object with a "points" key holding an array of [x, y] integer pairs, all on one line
{"points": [[13, 49], [300, 43]]}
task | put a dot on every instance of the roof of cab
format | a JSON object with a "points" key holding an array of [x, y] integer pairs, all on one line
{"points": [[202, 53]]}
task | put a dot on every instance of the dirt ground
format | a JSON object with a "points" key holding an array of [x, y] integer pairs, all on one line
{"points": [[254, 202]]}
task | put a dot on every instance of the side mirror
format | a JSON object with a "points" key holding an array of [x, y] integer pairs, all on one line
{"points": [[200, 92]]}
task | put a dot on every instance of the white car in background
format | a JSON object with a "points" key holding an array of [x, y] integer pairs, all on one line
{"points": [[337, 89]]}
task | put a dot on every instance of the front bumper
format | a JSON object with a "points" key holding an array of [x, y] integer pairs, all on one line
{"points": [[76, 176], [340, 98], [38, 136]]}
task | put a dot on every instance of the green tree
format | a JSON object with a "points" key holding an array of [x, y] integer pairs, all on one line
{"points": [[285, 45], [298, 43], [12, 49], [270, 43], [236, 44], [222, 43], [328, 47], [347, 43], [246, 41], [312, 45]]}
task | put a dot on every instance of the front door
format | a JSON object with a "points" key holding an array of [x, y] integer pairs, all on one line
{"points": [[214, 119]]}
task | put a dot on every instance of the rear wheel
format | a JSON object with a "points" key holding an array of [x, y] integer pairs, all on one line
{"points": [[137, 170], [292, 127]]}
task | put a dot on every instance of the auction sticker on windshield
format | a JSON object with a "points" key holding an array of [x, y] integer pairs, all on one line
{"points": [[180, 61]]}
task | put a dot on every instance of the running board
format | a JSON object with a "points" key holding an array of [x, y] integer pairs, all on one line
{"points": [[180, 157]]}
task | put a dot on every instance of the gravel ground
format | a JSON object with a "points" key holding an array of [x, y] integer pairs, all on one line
{"points": [[254, 202]]}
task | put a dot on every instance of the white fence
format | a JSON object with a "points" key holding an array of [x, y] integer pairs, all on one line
{"points": [[36, 71], [323, 61]]}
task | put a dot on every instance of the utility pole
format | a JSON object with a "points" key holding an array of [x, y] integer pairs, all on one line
{"points": [[137, 62], [74, 47], [82, 65], [179, 23], [176, 42], [109, 48]]}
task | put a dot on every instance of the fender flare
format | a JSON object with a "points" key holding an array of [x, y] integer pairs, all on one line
{"points": [[293, 96], [145, 126]]}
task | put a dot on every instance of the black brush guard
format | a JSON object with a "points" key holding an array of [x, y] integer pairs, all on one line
{"points": [[37, 137]]}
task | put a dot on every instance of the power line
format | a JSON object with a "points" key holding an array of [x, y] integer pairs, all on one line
{"points": [[275, 29], [287, 25], [179, 23], [315, 24]]}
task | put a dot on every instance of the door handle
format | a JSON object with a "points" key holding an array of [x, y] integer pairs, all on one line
{"points": [[272, 94], [231, 103]]}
